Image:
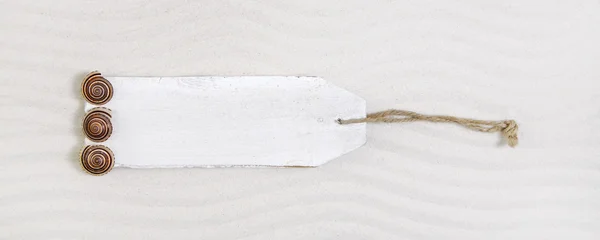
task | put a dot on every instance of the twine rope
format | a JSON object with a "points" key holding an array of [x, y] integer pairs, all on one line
{"points": [[508, 128]]}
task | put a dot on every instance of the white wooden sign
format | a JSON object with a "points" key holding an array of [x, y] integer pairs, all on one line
{"points": [[172, 122]]}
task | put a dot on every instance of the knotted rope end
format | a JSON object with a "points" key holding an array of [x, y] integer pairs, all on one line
{"points": [[510, 132]]}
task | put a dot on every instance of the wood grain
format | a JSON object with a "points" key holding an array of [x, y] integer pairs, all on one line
{"points": [[251, 121], [530, 60]]}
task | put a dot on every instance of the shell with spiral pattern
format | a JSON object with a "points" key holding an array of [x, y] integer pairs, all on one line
{"points": [[96, 89], [97, 124], [97, 159]]}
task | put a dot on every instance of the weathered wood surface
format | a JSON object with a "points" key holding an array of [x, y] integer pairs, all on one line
{"points": [[173, 122]]}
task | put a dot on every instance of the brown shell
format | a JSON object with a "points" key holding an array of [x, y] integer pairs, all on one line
{"points": [[97, 124], [96, 89], [97, 159]]}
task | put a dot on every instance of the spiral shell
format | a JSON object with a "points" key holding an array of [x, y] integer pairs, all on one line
{"points": [[97, 125], [97, 159], [96, 89]]}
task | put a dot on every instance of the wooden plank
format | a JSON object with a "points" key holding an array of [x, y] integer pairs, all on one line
{"points": [[230, 121]]}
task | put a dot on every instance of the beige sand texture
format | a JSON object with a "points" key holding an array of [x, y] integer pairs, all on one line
{"points": [[530, 60]]}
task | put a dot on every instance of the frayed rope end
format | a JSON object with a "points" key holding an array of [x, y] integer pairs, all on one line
{"points": [[510, 132]]}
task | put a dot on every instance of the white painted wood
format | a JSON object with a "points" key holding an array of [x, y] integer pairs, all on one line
{"points": [[230, 121]]}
